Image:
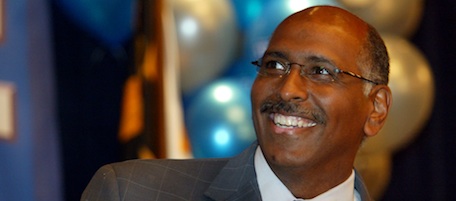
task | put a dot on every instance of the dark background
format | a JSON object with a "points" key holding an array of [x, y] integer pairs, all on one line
{"points": [[90, 76], [89, 79], [425, 170]]}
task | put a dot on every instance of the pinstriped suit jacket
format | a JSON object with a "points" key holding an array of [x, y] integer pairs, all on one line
{"points": [[179, 180]]}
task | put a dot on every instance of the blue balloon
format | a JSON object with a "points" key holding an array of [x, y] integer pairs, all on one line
{"points": [[218, 119], [247, 11], [110, 21], [241, 69]]}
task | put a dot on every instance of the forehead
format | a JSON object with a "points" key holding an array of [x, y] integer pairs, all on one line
{"points": [[334, 34], [330, 17]]}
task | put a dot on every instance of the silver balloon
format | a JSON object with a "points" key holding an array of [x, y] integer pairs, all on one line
{"points": [[388, 16], [207, 36], [412, 85]]}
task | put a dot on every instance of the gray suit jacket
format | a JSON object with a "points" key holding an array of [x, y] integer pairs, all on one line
{"points": [[179, 180]]}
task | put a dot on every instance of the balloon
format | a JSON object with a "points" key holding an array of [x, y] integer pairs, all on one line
{"points": [[412, 85], [375, 168], [258, 35], [241, 69], [110, 21], [247, 11], [388, 16], [207, 36], [218, 119]]}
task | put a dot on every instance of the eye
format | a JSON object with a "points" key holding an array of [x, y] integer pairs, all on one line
{"points": [[320, 74], [272, 68], [274, 65], [319, 70]]}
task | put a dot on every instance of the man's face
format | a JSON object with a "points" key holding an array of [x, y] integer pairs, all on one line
{"points": [[300, 122]]}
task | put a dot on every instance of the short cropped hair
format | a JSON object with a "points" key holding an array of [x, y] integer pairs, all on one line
{"points": [[374, 59]]}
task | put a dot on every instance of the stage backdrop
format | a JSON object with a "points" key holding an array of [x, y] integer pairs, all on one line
{"points": [[29, 166]]}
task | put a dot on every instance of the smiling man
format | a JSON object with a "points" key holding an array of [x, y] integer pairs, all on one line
{"points": [[321, 90]]}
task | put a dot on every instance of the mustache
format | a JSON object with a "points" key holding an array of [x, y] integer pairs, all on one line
{"points": [[275, 106]]}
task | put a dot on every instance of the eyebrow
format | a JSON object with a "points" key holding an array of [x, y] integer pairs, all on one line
{"points": [[312, 58], [316, 58], [275, 54]]}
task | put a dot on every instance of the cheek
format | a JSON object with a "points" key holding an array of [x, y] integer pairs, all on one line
{"points": [[261, 89], [345, 111], [259, 93]]}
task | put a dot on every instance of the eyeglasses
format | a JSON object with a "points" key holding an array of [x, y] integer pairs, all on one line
{"points": [[318, 72]]}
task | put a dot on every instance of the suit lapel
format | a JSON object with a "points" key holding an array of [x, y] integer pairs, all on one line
{"points": [[361, 188], [237, 180]]}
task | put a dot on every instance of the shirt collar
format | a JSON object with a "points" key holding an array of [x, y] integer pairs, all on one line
{"points": [[272, 189]]}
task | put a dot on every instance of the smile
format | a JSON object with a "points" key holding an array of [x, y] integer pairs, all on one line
{"points": [[292, 121]]}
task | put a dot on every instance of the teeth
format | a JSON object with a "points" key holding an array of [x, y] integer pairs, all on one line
{"points": [[292, 121]]}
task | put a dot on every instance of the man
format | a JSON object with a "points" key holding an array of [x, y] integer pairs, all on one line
{"points": [[321, 89]]}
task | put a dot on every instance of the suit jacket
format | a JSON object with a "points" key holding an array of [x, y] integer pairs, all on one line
{"points": [[197, 179]]}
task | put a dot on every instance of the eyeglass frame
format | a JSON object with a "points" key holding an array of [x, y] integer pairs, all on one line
{"points": [[258, 64]]}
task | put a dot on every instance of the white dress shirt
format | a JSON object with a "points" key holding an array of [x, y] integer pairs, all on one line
{"points": [[272, 189]]}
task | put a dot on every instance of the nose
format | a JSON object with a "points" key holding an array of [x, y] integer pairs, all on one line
{"points": [[294, 86]]}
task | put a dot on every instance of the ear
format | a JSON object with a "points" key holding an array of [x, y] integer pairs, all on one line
{"points": [[381, 99]]}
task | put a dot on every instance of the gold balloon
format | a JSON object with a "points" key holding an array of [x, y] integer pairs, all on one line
{"points": [[206, 34], [412, 85], [375, 169], [388, 16]]}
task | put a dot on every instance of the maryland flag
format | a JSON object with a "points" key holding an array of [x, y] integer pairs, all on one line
{"points": [[152, 124]]}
